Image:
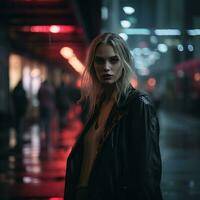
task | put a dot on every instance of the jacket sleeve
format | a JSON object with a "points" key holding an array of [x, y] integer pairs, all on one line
{"points": [[143, 170]]}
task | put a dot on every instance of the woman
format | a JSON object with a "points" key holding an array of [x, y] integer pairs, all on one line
{"points": [[117, 155]]}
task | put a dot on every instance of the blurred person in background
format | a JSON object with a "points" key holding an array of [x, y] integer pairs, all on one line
{"points": [[117, 155], [62, 104], [20, 103], [46, 108]]}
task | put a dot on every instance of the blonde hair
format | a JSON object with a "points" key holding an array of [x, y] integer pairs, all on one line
{"points": [[92, 89]]}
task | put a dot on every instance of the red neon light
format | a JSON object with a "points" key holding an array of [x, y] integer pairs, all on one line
{"points": [[55, 198], [151, 82], [54, 29], [35, 1], [197, 76], [78, 83], [134, 83], [51, 29], [68, 54]]}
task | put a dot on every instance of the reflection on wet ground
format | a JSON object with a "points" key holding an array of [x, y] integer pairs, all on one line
{"points": [[180, 149], [38, 173]]}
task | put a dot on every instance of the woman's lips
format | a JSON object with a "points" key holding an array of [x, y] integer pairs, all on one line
{"points": [[106, 76]]}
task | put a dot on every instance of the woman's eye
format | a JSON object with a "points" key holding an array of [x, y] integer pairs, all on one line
{"points": [[101, 61], [114, 60], [98, 60]]}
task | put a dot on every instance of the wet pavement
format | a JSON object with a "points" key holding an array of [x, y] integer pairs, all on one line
{"points": [[180, 150], [38, 173]]}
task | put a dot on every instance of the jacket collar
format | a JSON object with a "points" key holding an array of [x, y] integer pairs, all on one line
{"points": [[117, 112], [126, 98]]}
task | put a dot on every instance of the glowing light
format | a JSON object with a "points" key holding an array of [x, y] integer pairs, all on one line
{"points": [[27, 179], [125, 23], [35, 72], [47, 29], [180, 47], [54, 29], [78, 66], [143, 71], [197, 76], [55, 198], [12, 138], [137, 51], [137, 31], [146, 51], [34, 169], [193, 32], [151, 82], [128, 10], [134, 83], [162, 48], [153, 39], [124, 36], [68, 54], [104, 13], [78, 83], [167, 32], [144, 58], [190, 48], [15, 70], [30, 180]]}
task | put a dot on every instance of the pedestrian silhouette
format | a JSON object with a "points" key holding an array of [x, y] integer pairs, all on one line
{"points": [[46, 108], [20, 103], [62, 104]]}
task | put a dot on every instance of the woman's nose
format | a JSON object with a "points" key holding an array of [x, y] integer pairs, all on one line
{"points": [[107, 66]]}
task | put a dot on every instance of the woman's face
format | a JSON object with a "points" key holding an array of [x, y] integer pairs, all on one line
{"points": [[107, 64]]}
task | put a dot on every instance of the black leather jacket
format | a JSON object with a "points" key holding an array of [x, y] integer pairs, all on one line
{"points": [[128, 166]]}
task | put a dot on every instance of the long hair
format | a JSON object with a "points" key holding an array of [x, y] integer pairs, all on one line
{"points": [[91, 88]]}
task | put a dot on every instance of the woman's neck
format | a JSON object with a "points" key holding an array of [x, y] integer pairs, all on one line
{"points": [[109, 93]]}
